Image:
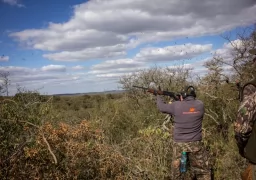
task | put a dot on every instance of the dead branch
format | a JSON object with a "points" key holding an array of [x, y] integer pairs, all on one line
{"points": [[167, 120], [49, 148], [212, 118], [45, 140], [214, 113], [211, 96]]}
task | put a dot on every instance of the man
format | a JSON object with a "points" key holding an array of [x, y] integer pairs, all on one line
{"points": [[245, 126], [188, 116]]}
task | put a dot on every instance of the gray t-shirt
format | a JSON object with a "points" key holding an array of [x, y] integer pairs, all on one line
{"points": [[188, 116]]}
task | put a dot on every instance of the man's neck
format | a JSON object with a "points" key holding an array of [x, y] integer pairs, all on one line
{"points": [[189, 98]]}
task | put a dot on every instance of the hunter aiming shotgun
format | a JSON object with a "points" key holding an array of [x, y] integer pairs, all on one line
{"points": [[175, 96]]}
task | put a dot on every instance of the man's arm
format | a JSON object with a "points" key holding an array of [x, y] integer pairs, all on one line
{"points": [[163, 107], [245, 119]]}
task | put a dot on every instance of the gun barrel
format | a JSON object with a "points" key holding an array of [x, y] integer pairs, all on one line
{"points": [[140, 87], [165, 93]]}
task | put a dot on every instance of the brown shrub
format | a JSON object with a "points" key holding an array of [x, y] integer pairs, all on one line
{"points": [[80, 152]]}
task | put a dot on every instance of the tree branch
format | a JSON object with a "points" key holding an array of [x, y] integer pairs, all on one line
{"points": [[212, 118], [49, 148]]}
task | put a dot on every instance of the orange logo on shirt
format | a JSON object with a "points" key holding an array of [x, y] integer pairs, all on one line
{"points": [[191, 109]]}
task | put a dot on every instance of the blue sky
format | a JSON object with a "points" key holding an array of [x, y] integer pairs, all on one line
{"points": [[79, 46], [35, 14]]}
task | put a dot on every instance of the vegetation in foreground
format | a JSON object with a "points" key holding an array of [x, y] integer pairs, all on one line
{"points": [[120, 136]]}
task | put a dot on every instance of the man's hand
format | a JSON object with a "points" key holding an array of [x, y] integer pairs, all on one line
{"points": [[152, 91], [240, 146], [241, 152]]}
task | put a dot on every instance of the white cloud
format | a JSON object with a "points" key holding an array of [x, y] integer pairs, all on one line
{"points": [[52, 79], [227, 52], [114, 69], [78, 67], [152, 54], [16, 70], [98, 26], [54, 68], [89, 53], [117, 67], [112, 76], [194, 67], [4, 58], [13, 3], [35, 78], [115, 64], [24, 74], [171, 53], [185, 66]]}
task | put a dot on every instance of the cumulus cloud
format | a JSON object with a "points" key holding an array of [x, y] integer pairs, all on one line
{"points": [[23, 74], [185, 66], [13, 3], [35, 78], [4, 58], [104, 24], [52, 79], [110, 76], [116, 66], [227, 52], [171, 53], [114, 69], [78, 67], [89, 53], [54, 68], [16, 70]]}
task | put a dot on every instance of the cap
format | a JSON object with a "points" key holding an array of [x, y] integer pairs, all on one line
{"points": [[190, 91]]}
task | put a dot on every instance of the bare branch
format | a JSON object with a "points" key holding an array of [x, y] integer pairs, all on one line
{"points": [[212, 118], [49, 148]]}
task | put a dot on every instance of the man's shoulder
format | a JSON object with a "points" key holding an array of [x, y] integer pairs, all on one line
{"points": [[249, 90], [250, 87], [199, 101], [194, 101]]}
